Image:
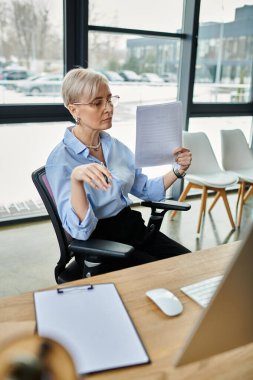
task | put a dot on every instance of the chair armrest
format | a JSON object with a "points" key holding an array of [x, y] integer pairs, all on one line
{"points": [[167, 205], [100, 248]]}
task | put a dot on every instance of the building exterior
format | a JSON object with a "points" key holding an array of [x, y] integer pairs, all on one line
{"points": [[224, 51]]}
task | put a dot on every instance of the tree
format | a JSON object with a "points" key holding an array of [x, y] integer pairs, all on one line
{"points": [[27, 32], [25, 24], [5, 47]]}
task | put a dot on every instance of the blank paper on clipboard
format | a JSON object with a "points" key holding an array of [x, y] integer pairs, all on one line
{"points": [[158, 133], [93, 324]]}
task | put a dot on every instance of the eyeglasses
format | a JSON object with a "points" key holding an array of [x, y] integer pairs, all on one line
{"points": [[101, 103]]}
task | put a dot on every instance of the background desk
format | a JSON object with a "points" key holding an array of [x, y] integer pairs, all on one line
{"points": [[162, 336]]}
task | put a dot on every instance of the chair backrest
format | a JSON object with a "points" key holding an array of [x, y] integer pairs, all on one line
{"points": [[203, 157], [236, 153], [40, 180]]}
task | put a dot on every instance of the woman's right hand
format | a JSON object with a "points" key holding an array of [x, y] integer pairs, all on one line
{"points": [[95, 175]]}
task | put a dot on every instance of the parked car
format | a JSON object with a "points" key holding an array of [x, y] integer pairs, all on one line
{"points": [[112, 76], [151, 77], [14, 74], [11, 75], [169, 77], [130, 76], [44, 85], [21, 85]]}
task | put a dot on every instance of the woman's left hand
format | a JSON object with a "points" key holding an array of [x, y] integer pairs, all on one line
{"points": [[183, 158]]}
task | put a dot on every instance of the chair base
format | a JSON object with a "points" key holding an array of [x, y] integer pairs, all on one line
{"points": [[71, 273], [75, 271]]}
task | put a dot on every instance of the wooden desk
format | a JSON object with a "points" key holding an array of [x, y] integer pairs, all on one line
{"points": [[161, 335]]}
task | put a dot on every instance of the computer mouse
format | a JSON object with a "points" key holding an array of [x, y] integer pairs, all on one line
{"points": [[166, 301]]}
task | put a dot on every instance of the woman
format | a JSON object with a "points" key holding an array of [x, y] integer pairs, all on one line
{"points": [[92, 173]]}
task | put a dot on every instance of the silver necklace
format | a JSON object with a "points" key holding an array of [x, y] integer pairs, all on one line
{"points": [[94, 147]]}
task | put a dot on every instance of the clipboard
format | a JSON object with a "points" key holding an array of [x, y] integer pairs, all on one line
{"points": [[92, 323]]}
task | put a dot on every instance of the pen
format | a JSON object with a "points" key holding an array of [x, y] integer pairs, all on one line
{"points": [[106, 178]]}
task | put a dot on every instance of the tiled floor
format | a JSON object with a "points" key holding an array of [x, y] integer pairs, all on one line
{"points": [[29, 252]]}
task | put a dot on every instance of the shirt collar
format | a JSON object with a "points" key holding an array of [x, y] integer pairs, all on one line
{"points": [[78, 147], [73, 143]]}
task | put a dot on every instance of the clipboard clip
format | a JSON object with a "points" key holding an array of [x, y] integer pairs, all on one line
{"points": [[75, 289]]}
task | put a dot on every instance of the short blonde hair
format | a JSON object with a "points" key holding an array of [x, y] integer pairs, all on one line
{"points": [[79, 82]]}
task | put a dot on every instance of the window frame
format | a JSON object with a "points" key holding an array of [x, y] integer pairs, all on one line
{"points": [[75, 53], [76, 30], [189, 55]]}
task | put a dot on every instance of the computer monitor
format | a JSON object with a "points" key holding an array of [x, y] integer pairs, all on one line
{"points": [[227, 322]]}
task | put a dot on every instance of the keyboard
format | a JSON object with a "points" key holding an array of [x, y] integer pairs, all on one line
{"points": [[202, 291]]}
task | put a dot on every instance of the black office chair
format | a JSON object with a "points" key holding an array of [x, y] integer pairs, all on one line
{"points": [[73, 252]]}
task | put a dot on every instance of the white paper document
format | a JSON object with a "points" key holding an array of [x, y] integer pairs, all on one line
{"points": [[93, 324], [158, 133]]}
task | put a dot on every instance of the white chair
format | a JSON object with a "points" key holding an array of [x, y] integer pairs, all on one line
{"points": [[237, 157], [205, 174]]}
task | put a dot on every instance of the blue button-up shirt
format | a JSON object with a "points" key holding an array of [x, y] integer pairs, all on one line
{"points": [[70, 153]]}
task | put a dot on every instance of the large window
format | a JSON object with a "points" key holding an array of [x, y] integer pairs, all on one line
{"points": [[198, 51], [24, 148], [161, 15], [139, 55], [220, 96], [31, 70], [31, 51], [223, 72], [133, 64]]}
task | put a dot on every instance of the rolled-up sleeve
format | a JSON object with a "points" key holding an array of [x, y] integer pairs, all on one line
{"points": [[79, 230], [60, 183]]}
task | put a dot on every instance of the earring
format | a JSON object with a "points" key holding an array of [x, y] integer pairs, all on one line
{"points": [[77, 120]]}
